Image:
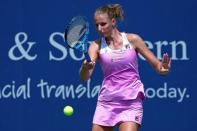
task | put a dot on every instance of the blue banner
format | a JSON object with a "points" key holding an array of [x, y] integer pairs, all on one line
{"points": [[39, 76]]}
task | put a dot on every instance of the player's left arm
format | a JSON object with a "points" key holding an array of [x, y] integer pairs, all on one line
{"points": [[162, 67]]}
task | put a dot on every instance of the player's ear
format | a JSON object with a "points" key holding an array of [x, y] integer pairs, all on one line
{"points": [[113, 20]]}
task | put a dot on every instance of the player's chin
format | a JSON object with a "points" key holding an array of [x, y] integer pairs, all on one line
{"points": [[103, 34]]}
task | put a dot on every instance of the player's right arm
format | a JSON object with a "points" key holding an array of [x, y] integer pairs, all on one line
{"points": [[87, 68]]}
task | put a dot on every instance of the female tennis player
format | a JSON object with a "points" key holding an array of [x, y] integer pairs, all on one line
{"points": [[120, 100]]}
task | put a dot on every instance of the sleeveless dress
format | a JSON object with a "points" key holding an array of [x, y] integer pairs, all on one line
{"points": [[122, 92]]}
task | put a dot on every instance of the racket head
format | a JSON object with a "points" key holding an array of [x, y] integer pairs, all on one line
{"points": [[76, 33]]}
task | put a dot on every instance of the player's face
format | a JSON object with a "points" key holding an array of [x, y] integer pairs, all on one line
{"points": [[104, 24]]}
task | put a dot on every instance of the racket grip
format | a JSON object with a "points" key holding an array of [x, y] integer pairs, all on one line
{"points": [[87, 57]]}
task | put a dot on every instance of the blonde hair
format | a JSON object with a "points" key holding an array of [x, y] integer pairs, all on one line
{"points": [[113, 11]]}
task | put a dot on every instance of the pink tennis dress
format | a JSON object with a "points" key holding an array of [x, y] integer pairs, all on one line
{"points": [[122, 92]]}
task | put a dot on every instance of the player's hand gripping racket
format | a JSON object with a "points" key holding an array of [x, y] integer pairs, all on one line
{"points": [[76, 35]]}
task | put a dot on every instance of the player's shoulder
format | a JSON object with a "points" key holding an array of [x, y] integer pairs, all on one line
{"points": [[133, 37]]}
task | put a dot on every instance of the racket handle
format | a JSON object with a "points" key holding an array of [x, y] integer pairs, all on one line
{"points": [[87, 57]]}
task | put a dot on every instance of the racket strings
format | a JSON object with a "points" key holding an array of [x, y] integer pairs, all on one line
{"points": [[76, 31]]}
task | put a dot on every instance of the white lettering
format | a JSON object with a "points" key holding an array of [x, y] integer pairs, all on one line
{"points": [[57, 46], [182, 44], [160, 46], [69, 91], [16, 91], [167, 92]]}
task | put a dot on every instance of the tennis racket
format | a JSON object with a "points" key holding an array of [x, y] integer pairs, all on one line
{"points": [[76, 35]]}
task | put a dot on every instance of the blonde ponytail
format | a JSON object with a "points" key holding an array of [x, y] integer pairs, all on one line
{"points": [[113, 11]]}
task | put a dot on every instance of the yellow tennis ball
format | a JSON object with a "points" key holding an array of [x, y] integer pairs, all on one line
{"points": [[68, 110]]}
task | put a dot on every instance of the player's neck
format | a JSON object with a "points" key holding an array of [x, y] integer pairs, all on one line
{"points": [[115, 36], [115, 40]]}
